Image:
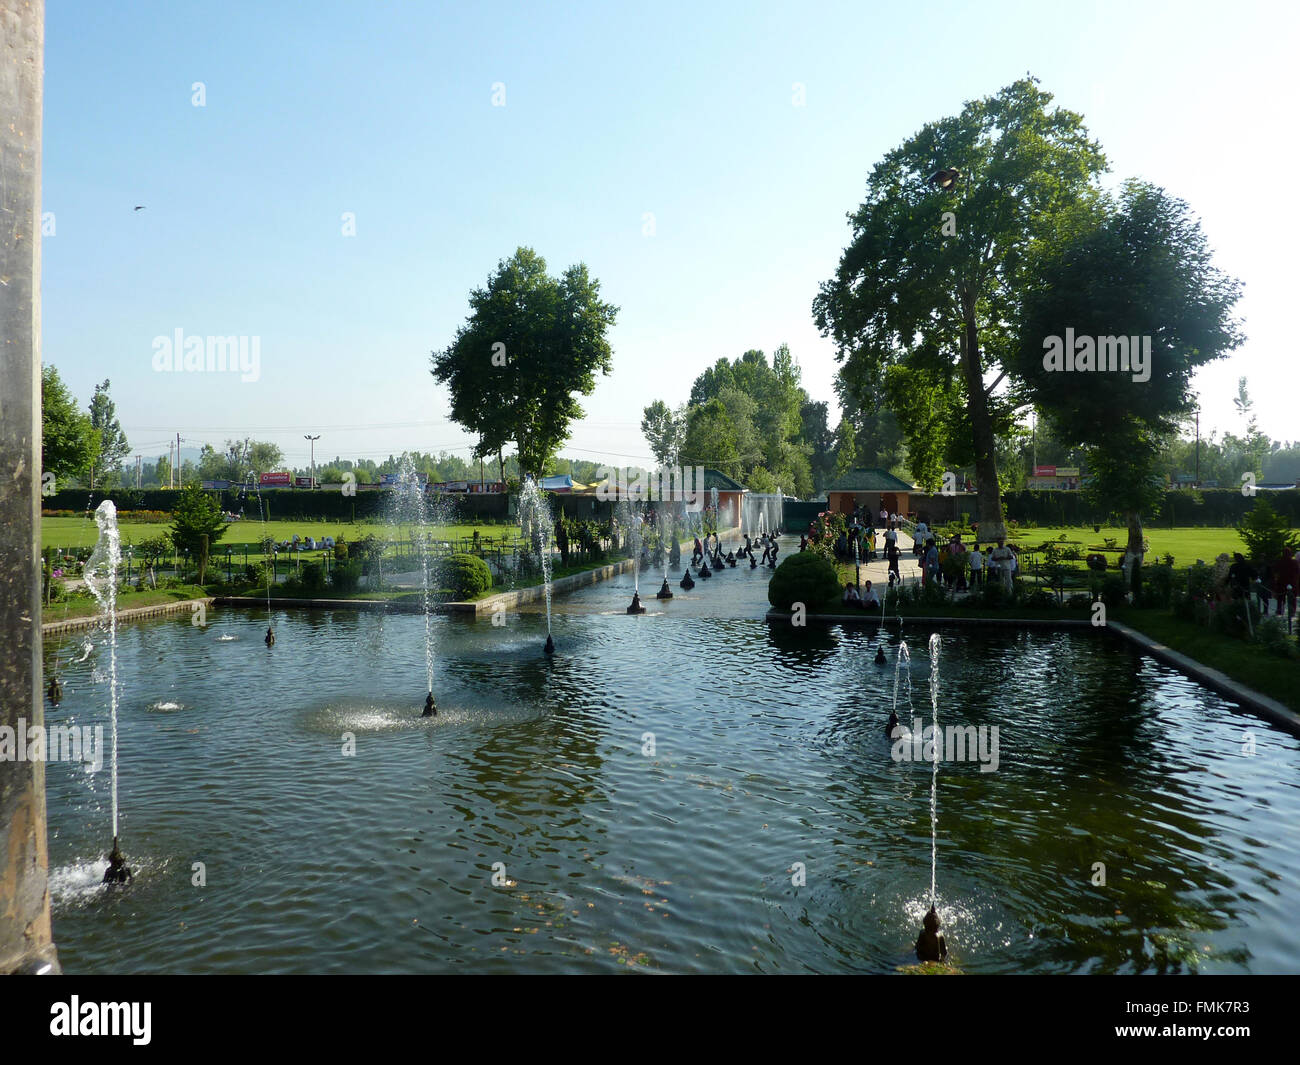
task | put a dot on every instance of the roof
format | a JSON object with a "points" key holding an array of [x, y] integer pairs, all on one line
{"points": [[720, 481], [868, 479]]}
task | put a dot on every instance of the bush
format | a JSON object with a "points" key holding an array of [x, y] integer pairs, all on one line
{"points": [[1157, 585], [1272, 634], [313, 578], [466, 576], [1079, 601], [346, 578], [805, 578]]}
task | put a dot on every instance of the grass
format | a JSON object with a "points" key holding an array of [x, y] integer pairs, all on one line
{"points": [[1186, 544], [1254, 666], [82, 532], [83, 606]]}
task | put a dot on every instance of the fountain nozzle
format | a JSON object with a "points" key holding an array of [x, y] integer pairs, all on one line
{"points": [[550, 645], [118, 872], [665, 592], [636, 607], [430, 707]]}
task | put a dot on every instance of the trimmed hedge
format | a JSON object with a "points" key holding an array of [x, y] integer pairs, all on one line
{"points": [[805, 578], [466, 576]]}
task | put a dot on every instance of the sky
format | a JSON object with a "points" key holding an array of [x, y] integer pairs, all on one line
{"points": [[700, 159]]}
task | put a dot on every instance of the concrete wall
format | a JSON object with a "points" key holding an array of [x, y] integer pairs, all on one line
{"points": [[25, 943]]}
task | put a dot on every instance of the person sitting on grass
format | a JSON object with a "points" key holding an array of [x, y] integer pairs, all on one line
{"points": [[851, 597], [870, 597]]}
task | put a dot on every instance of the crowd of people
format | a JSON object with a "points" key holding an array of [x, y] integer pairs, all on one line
{"points": [[1273, 584]]}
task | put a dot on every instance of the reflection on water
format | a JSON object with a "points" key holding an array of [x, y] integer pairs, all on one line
{"points": [[643, 797]]}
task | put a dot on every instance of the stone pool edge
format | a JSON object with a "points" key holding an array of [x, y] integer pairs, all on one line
{"points": [[1263, 705]]}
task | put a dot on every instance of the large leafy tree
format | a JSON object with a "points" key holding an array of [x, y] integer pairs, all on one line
{"points": [[931, 279], [816, 434], [1144, 270], [664, 429], [113, 447], [238, 459], [711, 439], [531, 345], [69, 442]]}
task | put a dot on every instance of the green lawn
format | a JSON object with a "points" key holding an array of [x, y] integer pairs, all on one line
{"points": [[1185, 544], [1252, 665], [82, 532], [81, 606]]}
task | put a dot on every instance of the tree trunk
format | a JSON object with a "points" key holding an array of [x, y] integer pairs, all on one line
{"points": [[986, 468], [203, 557], [1135, 551]]}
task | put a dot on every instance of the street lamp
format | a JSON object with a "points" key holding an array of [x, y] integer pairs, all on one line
{"points": [[312, 440]]}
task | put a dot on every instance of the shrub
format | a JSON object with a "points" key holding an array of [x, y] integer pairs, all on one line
{"points": [[806, 578], [313, 578], [1079, 601], [466, 576], [1272, 634], [1097, 562], [1040, 597], [1157, 585], [346, 578]]}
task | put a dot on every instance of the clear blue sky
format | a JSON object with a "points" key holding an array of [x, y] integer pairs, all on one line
{"points": [[685, 111]]}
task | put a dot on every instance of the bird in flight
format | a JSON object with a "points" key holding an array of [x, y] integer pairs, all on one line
{"points": [[945, 179], [139, 207]]}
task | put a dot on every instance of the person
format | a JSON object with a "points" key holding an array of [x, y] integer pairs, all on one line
{"points": [[976, 568], [870, 597], [431, 709], [1241, 574], [931, 572], [891, 536], [698, 553], [930, 945], [851, 597], [748, 546], [891, 556], [957, 552], [1000, 562], [1286, 582], [884, 516], [871, 545], [775, 548], [922, 531]]}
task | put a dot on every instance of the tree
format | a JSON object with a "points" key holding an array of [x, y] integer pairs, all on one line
{"points": [[69, 443], [196, 515], [1142, 272], [664, 430], [711, 439], [1266, 532], [113, 447], [931, 273], [816, 433], [530, 343]]}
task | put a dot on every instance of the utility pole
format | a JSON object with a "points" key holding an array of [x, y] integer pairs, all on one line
{"points": [[312, 440], [179, 482], [138, 460], [171, 466], [1198, 447]]}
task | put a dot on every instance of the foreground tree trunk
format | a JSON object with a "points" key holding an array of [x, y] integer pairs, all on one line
{"points": [[1135, 553], [991, 525]]}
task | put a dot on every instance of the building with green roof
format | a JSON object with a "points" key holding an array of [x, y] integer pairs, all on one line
{"points": [[869, 487]]}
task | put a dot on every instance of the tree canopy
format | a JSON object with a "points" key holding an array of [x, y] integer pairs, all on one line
{"points": [[531, 344], [930, 283], [69, 442]]}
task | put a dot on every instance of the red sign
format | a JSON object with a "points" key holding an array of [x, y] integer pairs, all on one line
{"points": [[275, 479], [1044, 471]]}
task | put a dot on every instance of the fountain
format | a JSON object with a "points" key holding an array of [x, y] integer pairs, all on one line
{"points": [[101, 578], [631, 520], [408, 506], [535, 523], [934, 772]]}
